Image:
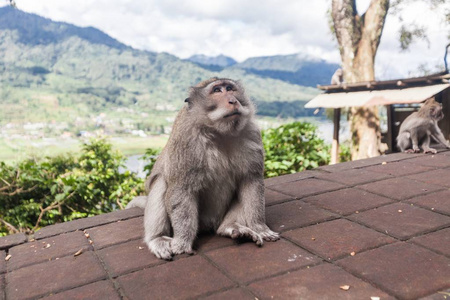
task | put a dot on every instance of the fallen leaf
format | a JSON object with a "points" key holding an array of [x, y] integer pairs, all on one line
{"points": [[8, 257], [353, 253], [47, 246], [140, 248], [400, 211], [344, 287], [384, 163], [78, 252], [313, 238], [374, 298], [87, 235], [91, 242]]}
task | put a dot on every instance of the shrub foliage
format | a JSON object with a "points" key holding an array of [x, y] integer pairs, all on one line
{"points": [[293, 148], [36, 193]]}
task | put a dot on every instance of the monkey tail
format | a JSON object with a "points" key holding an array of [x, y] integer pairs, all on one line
{"points": [[138, 201]]}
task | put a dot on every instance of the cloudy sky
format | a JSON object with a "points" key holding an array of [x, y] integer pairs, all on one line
{"points": [[245, 28]]}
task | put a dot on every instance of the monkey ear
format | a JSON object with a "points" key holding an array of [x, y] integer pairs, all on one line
{"points": [[187, 100]]}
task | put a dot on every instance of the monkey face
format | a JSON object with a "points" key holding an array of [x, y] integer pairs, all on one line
{"points": [[433, 109], [224, 104]]}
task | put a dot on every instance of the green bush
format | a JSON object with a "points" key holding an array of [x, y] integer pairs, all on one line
{"points": [[38, 193], [293, 148]]}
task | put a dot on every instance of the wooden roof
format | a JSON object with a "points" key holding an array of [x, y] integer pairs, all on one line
{"points": [[437, 78]]}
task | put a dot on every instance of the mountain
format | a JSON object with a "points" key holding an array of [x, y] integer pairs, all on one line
{"points": [[212, 62], [295, 68], [64, 73], [36, 30]]}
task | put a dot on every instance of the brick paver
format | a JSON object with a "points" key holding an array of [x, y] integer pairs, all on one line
{"points": [[399, 188], [207, 242], [436, 177], [436, 161], [439, 201], [239, 293], [81, 224], [2, 262], [398, 168], [320, 282], [306, 187], [247, 262], [273, 197], [98, 290], [47, 249], [337, 238], [348, 201], [354, 176], [438, 241], [367, 229], [295, 214], [127, 257], [117, 232], [54, 276], [401, 220], [405, 270], [12, 240], [184, 278]]}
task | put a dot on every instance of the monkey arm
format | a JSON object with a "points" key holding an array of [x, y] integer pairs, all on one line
{"points": [[251, 197], [183, 207], [437, 135]]}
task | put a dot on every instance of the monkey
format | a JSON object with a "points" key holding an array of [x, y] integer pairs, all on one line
{"points": [[338, 77], [420, 127], [209, 176]]}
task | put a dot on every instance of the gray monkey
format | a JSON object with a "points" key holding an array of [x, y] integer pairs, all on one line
{"points": [[209, 177], [420, 127]]}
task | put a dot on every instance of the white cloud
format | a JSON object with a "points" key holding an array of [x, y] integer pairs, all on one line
{"points": [[242, 29]]}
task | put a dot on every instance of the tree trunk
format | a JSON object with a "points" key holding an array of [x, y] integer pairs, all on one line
{"points": [[358, 38]]}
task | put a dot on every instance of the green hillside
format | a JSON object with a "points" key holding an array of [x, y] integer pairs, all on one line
{"points": [[53, 68]]}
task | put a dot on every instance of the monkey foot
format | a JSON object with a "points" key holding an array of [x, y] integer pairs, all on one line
{"points": [[270, 236], [161, 247], [412, 151], [239, 231], [430, 150]]}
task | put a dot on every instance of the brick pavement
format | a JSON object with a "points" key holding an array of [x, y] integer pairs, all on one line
{"points": [[371, 229]]}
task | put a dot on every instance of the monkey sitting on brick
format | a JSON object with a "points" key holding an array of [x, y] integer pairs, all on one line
{"points": [[209, 177], [420, 127]]}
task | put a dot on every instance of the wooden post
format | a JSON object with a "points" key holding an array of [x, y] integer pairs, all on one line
{"points": [[390, 136], [335, 144]]}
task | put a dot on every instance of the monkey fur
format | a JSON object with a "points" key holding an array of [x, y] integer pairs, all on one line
{"points": [[338, 77], [420, 127], [209, 177]]}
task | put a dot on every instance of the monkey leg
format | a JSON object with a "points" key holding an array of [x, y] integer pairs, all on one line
{"points": [[404, 141], [157, 223], [426, 145], [245, 218]]}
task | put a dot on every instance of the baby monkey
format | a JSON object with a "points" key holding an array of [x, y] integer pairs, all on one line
{"points": [[209, 177], [420, 127]]}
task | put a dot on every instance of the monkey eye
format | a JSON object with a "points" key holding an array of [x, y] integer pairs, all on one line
{"points": [[216, 90], [229, 88]]}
